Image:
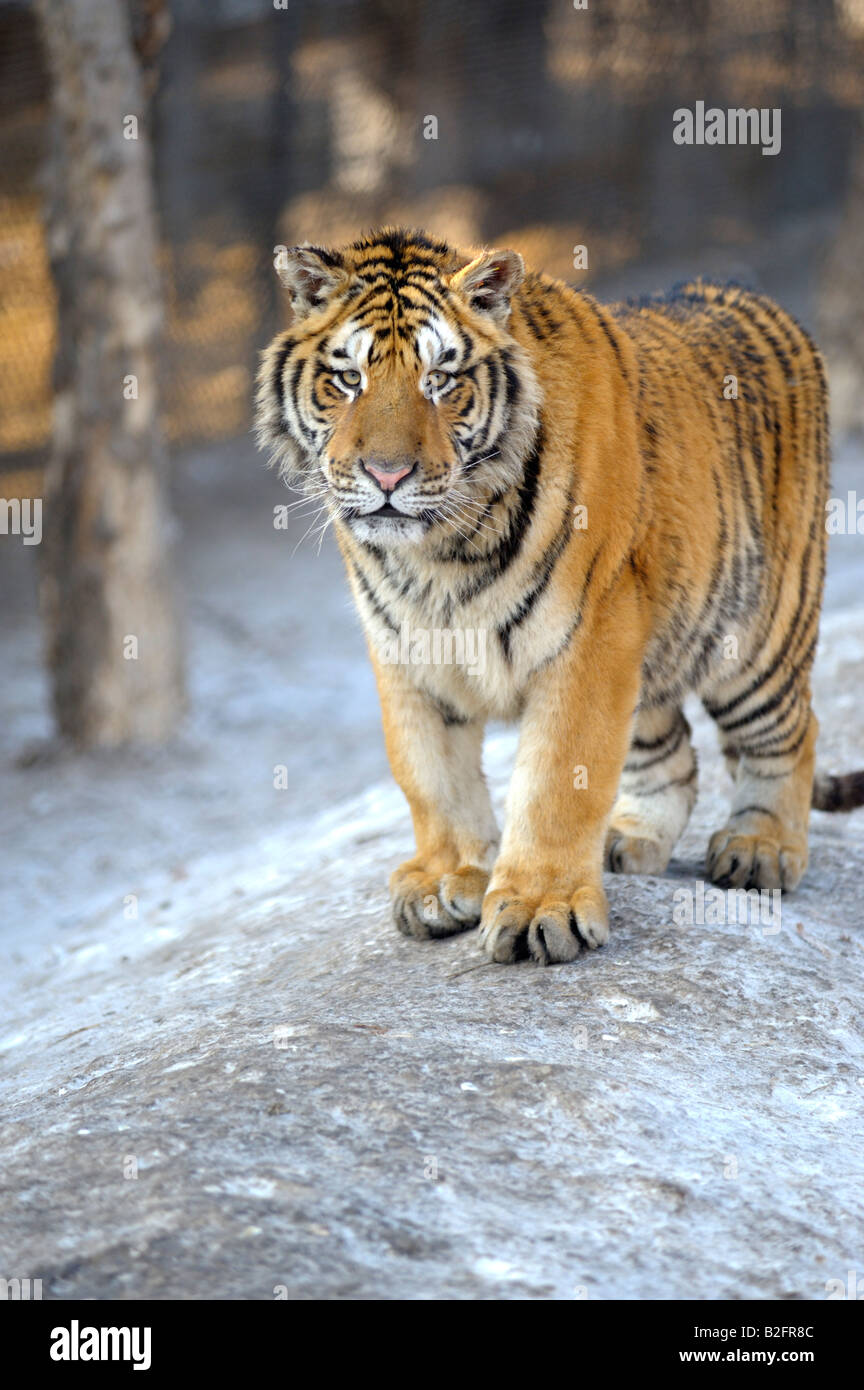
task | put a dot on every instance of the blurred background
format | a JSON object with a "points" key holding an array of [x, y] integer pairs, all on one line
{"points": [[260, 124]]}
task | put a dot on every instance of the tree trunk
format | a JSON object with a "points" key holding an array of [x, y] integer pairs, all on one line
{"points": [[112, 638], [840, 322]]}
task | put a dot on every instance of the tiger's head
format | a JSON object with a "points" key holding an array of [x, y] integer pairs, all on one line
{"points": [[398, 394]]}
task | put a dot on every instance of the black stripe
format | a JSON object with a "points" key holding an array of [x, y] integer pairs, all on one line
{"points": [[612, 340], [377, 607], [501, 557], [661, 757], [719, 712], [672, 782], [541, 577], [278, 384], [756, 753]]}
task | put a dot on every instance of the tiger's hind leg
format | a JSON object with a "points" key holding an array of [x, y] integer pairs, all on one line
{"points": [[769, 747], [656, 794]]}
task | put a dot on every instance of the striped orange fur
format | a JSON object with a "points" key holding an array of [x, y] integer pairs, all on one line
{"points": [[626, 503]]}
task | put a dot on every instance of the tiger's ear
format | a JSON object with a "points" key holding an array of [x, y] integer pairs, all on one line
{"points": [[310, 275], [490, 281]]}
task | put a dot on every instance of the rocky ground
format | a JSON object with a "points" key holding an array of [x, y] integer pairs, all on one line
{"points": [[223, 1074]]}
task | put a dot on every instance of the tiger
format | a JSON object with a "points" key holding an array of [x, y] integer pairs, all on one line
{"points": [[626, 502]]}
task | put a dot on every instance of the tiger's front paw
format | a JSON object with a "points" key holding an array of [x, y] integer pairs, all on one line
{"points": [[427, 904], [548, 928]]}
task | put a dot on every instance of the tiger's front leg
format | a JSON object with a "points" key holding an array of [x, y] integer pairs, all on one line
{"points": [[437, 760], [546, 896]]}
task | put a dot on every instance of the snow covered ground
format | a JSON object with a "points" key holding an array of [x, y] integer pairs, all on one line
{"points": [[224, 1074]]}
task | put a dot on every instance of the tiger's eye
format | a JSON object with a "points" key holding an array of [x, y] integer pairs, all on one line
{"points": [[438, 378], [351, 377]]}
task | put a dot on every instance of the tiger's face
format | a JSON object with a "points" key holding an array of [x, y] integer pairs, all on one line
{"points": [[398, 395]]}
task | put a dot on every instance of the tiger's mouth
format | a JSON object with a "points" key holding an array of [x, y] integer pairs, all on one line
{"points": [[387, 509], [383, 513], [388, 512], [388, 524]]}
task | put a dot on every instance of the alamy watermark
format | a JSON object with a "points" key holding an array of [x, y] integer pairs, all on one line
{"points": [[754, 907], [419, 646], [20, 1290], [845, 517], [849, 1289], [77, 1343], [22, 517], [733, 126]]}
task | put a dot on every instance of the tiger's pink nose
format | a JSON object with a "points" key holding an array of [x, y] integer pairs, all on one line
{"points": [[387, 478]]}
